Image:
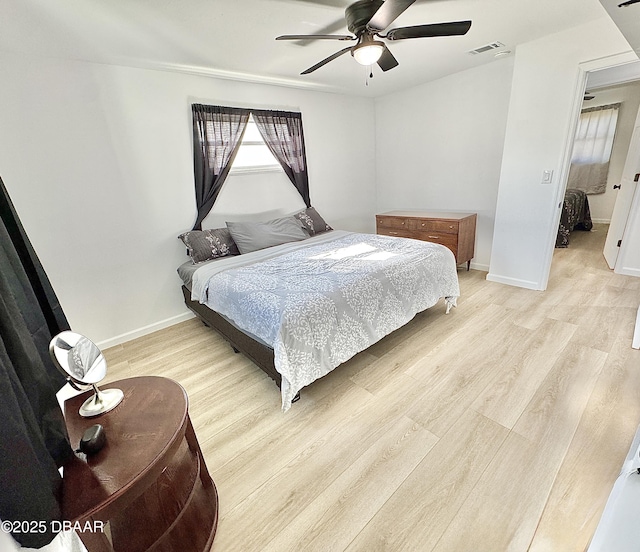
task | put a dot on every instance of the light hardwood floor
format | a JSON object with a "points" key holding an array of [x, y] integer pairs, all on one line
{"points": [[499, 427]]}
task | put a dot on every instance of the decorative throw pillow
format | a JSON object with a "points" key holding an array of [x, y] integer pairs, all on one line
{"points": [[252, 236], [204, 245], [312, 222]]}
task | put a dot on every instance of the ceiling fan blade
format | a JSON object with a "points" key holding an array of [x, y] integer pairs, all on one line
{"points": [[316, 37], [334, 27], [326, 30], [387, 14], [425, 31], [387, 61], [325, 61]]}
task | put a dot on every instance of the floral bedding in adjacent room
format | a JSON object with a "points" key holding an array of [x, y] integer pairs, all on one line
{"points": [[575, 214]]}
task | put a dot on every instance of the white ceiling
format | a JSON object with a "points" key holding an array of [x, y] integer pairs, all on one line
{"points": [[235, 38], [627, 18]]}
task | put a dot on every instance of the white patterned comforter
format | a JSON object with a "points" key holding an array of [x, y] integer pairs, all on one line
{"points": [[321, 301]]}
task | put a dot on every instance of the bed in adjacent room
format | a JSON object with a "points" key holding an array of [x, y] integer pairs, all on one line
{"points": [[302, 307], [575, 215]]}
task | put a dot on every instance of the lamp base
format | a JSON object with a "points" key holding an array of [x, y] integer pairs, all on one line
{"points": [[101, 402]]}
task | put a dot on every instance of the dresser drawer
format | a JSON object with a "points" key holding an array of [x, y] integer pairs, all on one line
{"points": [[392, 222], [450, 240], [438, 226], [397, 233]]}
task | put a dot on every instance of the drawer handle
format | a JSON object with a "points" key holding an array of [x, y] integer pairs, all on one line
{"points": [[393, 233], [434, 237], [451, 226]]}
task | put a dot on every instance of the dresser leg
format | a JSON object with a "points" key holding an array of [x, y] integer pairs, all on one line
{"points": [[468, 265]]}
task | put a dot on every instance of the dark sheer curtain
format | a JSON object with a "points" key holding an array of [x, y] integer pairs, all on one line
{"points": [[217, 133], [33, 436], [282, 132]]}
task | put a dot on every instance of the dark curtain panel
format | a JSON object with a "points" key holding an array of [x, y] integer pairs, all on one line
{"points": [[282, 132], [217, 133], [33, 436]]}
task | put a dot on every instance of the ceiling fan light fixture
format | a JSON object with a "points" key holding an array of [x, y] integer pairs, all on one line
{"points": [[368, 52]]}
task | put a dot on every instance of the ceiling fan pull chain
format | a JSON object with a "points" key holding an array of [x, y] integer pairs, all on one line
{"points": [[369, 75]]}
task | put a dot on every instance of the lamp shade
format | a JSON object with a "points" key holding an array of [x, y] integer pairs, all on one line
{"points": [[368, 53]]}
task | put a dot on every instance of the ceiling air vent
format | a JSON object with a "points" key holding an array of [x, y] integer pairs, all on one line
{"points": [[488, 47]]}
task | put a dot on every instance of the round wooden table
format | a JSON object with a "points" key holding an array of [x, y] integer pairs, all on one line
{"points": [[149, 484]]}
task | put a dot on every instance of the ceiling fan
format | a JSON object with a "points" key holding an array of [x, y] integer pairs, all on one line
{"points": [[367, 19]]}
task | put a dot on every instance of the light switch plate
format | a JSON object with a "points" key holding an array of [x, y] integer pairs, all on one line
{"points": [[547, 176]]}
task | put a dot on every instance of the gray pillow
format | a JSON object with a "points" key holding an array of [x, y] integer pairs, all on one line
{"points": [[252, 236], [312, 222], [204, 245]]}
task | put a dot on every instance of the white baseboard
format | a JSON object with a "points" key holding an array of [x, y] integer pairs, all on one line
{"points": [[601, 221], [123, 338], [636, 333], [481, 267], [527, 284], [628, 271]]}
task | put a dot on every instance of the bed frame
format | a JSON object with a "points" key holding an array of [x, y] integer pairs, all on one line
{"points": [[261, 355]]}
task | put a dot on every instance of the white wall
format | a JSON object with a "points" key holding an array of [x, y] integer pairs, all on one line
{"points": [[439, 147], [541, 117], [98, 162], [628, 261], [601, 205]]}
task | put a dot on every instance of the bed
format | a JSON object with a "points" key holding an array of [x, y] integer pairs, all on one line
{"points": [[300, 309], [575, 214]]}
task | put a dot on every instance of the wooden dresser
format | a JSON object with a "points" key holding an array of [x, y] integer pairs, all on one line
{"points": [[455, 230]]}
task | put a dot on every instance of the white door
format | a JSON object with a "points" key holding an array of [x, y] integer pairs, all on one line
{"points": [[628, 184]]}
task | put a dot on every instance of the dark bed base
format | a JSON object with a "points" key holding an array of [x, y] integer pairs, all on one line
{"points": [[259, 354]]}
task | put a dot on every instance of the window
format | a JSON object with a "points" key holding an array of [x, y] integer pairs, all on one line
{"points": [[594, 137], [592, 149], [253, 154], [217, 131]]}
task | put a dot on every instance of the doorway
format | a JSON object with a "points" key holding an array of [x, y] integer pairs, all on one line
{"points": [[618, 84]]}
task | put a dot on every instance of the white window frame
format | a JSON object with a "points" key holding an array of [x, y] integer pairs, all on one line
{"points": [[254, 140]]}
